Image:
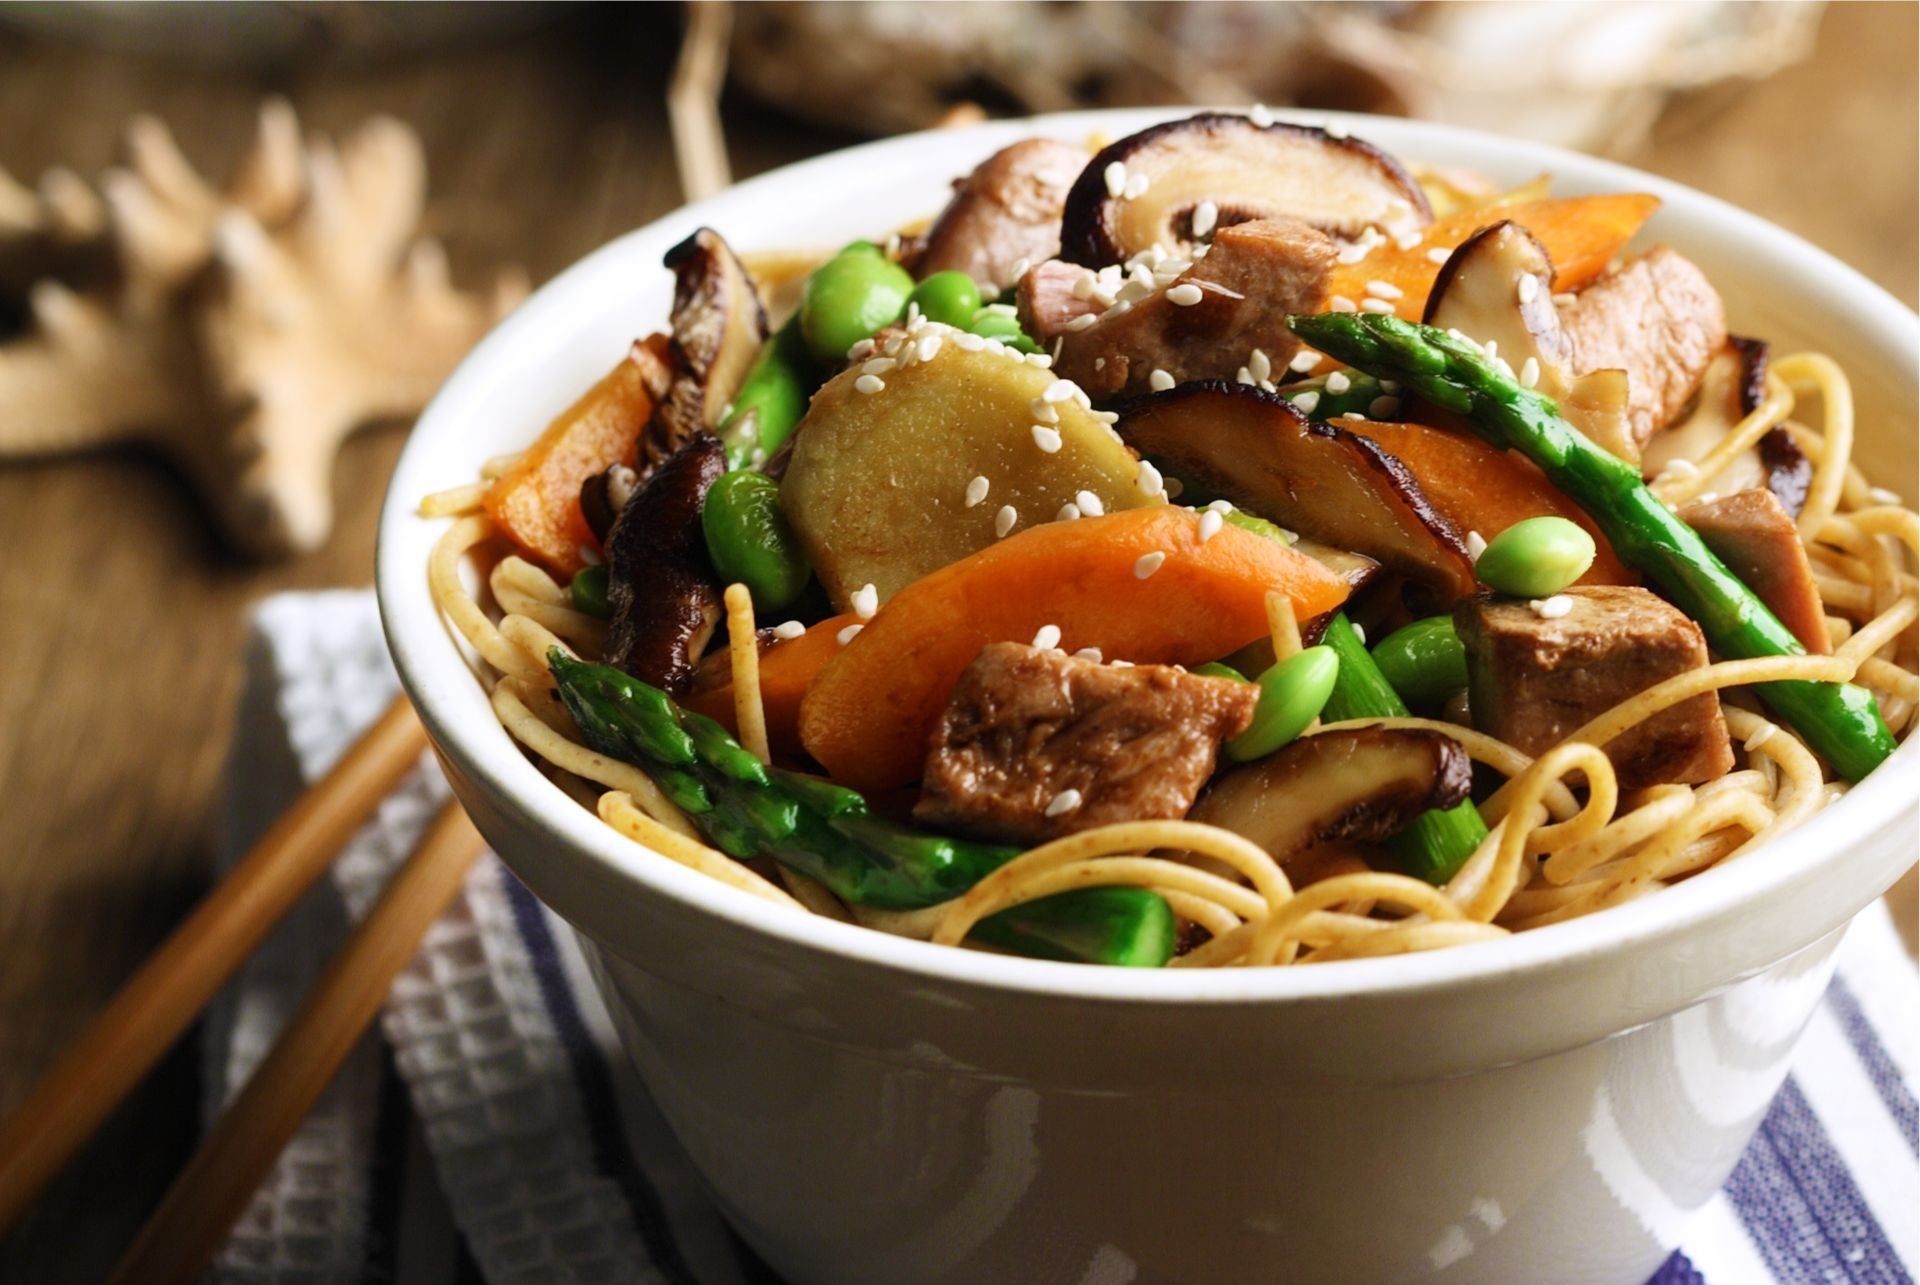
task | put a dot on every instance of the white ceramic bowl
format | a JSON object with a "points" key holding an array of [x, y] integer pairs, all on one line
{"points": [[870, 1109]]}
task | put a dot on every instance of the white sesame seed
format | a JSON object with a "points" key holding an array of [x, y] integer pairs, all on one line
{"points": [[1529, 287], [1001, 310], [1060, 390], [1210, 524], [1147, 563], [1003, 520], [1260, 364], [1148, 480], [788, 630], [977, 490], [1068, 512], [1761, 735], [1439, 254], [1338, 383], [1205, 215], [1383, 407], [1047, 439], [1099, 363], [1090, 504], [1089, 653], [1303, 361], [1551, 608], [1043, 410], [1883, 495], [1082, 322], [1136, 186], [1106, 416], [878, 366], [1530, 372], [869, 384], [1120, 308], [927, 347], [1375, 305], [866, 601], [1116, 177], [1040, 360], [967, 341], [1408, 240], [861, 350], [1563, 299], [1083, 286], [1678, 469], [1306, 403], [1259, 115], [1019, 269], [1490, 349], [1159, 380], [1244, 376], [1706, 497], [1063, 803], [1476, 545], [1047, 638], [1504, 366], [1385, 290], [1340, 303], [1352, 254], [1333, 131], [848, 634], [1186, 294], [1220, 506], [1123, 664], [1360, 635]]}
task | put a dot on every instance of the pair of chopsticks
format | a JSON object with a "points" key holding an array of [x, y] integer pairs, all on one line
{"points": [[181, 978]]}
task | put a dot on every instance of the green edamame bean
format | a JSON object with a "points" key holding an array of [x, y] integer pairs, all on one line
{"points": [[589, 591], [1216, 669], [1005, 328], [750, 542], [950, 297], [1536, 558], [1424, 662], [848, 298], [1292, 694]]}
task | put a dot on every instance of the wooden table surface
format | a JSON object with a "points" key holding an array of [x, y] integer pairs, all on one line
{"points": [[121, 622]]}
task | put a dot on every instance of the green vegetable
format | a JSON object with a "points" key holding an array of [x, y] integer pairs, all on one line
{"points": [[1439, 842], [1425, 662], [589, 591], [1839, 720], [1259, 526], [772, 398], [1536, 558], [1215, 669], [1361, 391], [746, 809], [848, 298], [1292, 694], [1001, 326], [749, 540], [950, 297], [1127, 926]]}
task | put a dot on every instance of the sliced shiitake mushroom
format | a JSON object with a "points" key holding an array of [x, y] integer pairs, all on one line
{"points": [[1365, 783], [717, 328], [1734, 386], [1006, 211], [1258, 451], [663, 596], [1340, 185]]}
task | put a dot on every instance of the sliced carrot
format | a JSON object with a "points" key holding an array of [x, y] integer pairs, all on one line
{"points": [[1479, 487], [786, 670], [537, 501], [868, 716], [1582, 234]]}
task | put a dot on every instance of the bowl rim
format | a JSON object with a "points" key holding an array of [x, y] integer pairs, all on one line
{"points": [[424, 651]]}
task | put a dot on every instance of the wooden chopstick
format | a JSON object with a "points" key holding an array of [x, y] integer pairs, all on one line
{"points": [[180, 978], [213, 1190]]}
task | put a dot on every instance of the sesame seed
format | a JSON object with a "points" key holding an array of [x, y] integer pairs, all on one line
{"points": [[1047, 439], [1375, 305], [1530, 372], [866, 601], [1407, 241], [967, 341], [788, 630], [1680, 469], [1106, 416], [1529, 287], [1149, 481], [1063, 803], [1120, 308], [1303, 361], [1136, 186], [1089, 653], [1090, 504], [1099, 363], [977, 490], [1707, 497], [1147, 563], [927, 347], [1186, 294], [1083, 286], [1210, 524], [1081, 322], [1205, 215], [1068, 512], [1043, 410], [1060, 390], [1259, 115], [1123, 664], [1040, 360], [1340, 303], [1260, 364], [1335, 132], [1306, 403], [1383, 407], [1761, 735], [1244, 376], [1003, 520], [589, 555], [1439, 254], [878, 366], [848, 634], [1220, 506], [1352, 254], [1883, 495], [1159, 380], [1563, 299], [1338, 383], [1476, 545], [1001, 310], [861, 350], [1116, 177], [1019, 269], [1504, 366], [1385, 290], [869, 384], [1047, 638], [1551, 608], [1359, 634]]}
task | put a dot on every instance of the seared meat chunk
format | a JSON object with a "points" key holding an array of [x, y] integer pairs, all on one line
{"points": [[1032, 731], [1007, 210], [1659, 319], [1751, 532], [1256, 273], [1533, 680]]}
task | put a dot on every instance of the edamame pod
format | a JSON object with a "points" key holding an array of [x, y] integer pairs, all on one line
{"points": [[1536, 558], [848, 298], [749, 540]]}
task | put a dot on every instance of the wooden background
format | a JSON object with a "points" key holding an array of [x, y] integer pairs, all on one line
{"points": [[121, 622]]}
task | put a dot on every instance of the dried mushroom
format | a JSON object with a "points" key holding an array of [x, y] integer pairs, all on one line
{"points": [[663, 598]]}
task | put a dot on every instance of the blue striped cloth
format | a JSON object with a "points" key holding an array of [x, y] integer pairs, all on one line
{"points": [[488, 1131]]}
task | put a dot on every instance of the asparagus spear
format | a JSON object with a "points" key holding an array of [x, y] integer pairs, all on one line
{"points": [[1839, 720], [1438, 842], [1358, 394], [747, 809]]}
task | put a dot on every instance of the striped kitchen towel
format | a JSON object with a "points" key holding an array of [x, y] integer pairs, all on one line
{"points": [[489, 1129]]}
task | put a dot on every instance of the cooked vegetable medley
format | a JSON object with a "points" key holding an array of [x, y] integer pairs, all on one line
{"points": [[1195, 553]]}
